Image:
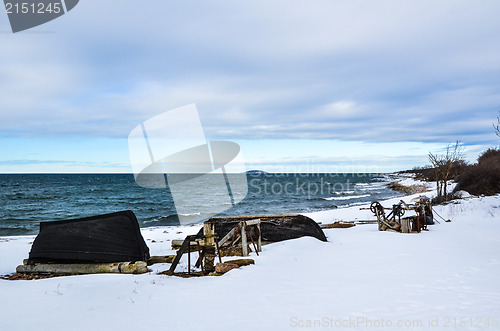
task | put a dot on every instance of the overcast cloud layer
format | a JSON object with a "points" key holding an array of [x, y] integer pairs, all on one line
{"points": [[368, 71]]}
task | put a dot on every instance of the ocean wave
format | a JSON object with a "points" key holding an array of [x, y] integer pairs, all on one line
{"points": [[30, 199], [347, 198], [372, 187], [193, 214], [360, 203]]}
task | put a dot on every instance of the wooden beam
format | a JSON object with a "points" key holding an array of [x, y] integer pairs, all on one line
{"points": [[181, 251], [228, 236], [138, 267], [177, 243], [259, 238], [253, 222], [161, 259]]}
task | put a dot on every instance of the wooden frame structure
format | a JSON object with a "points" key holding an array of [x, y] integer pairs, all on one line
{"points": [[207, 245], [243, 228]]}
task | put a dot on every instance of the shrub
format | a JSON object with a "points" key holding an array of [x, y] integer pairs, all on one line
{"points": [[483, 177]]}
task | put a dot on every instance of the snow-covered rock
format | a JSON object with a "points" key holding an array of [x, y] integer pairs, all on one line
{"points": [[462, 194]]}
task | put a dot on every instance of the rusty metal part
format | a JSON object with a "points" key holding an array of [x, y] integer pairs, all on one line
{"points": [[247, 229], [218, 250], [422, 208], [181, 251], [199, 262]]}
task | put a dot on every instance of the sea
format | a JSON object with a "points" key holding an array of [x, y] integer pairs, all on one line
{"points": [[28, 199]]}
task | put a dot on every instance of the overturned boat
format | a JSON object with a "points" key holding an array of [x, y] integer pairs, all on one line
{"points": [[114, 237], [273, 228]]}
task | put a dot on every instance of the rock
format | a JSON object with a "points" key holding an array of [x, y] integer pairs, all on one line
{"points": [[225, 267], [338, 225], [215, 274], [256, 172], [241, 262], [462, 194], [412, 189]]}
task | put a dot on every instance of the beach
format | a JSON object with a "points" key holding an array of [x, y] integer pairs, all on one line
{"points": [[361, 279]]}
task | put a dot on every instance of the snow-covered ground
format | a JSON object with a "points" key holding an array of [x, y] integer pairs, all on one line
{"points": [[361, 279]]}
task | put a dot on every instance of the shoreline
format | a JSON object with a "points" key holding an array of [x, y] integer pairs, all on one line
{"points": [[355, 213], [407, 180]]}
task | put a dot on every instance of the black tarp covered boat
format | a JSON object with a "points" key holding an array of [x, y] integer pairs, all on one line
{"points": [[273, 228], [114, 237]]}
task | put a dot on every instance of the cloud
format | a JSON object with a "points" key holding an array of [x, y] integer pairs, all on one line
{"points": [[355, 70], [64, 162], [61, 166]]}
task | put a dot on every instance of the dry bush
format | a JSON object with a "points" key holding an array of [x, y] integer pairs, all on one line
{"points": [[483, 177], [454, 154]]}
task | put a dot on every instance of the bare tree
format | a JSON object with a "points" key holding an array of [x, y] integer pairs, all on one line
{"points": [[443, 164], [497, 127]]}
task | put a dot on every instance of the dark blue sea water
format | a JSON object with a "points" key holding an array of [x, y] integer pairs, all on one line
{"points": [[28, 199]]}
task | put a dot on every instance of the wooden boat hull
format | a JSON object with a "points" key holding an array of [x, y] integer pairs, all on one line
{"points": [[114, 237], [274, 228]]}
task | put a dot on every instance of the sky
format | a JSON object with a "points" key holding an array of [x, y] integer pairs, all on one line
{"points": [[317, 85]]}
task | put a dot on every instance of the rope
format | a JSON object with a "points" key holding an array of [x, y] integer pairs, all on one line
{"points": [[434, 211]]}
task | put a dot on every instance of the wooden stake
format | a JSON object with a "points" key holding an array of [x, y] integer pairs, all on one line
{"points": [[405, 225], [209, 236], [244, 245]]}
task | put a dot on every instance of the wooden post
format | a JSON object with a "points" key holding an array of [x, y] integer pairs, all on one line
{"points": [[189, 259], [405, 225], [209, 236], [259, 238], [424, 216], [244, 245]]}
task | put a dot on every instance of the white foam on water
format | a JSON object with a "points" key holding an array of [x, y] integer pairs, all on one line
{"points": [[348, 198], [344, 192]]}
